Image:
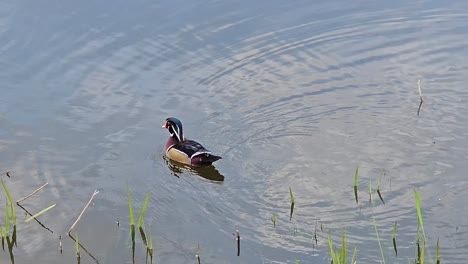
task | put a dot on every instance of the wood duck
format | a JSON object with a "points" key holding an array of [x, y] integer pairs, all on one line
{"points": [[184, 150]]}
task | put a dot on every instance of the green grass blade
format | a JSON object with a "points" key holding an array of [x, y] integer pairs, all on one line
{"points": [[292, 203], [3, 237], [143, 236], [41, 212], [378, 239], [13, 214], [7, 219], [343, 248], [354, 256], [378, 190], [417, 197], [356, 176], [150, 246], [438, 252], [394, 238], [130, 207], [273, 219], [330, 246], [77, 245], [291, 195], [421, 257], [143, 210], [380, 195]]}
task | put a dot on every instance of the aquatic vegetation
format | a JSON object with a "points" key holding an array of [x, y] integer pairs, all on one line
{"points": [[292, 203], [10, 240], [149, 246], [238, 238], [273, 220], [339, 256], [198, 254], [378, 191], [378, 239], [77, 247], [356, 176], [394, 238]]}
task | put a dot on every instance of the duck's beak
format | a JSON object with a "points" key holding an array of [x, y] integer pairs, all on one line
{"points": [[165, 125]]}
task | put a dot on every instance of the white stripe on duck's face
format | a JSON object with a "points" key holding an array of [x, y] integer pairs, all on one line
{"points": [[177, 132]]}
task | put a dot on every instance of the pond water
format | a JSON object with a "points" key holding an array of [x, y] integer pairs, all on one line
{"points": [[292, 94]]}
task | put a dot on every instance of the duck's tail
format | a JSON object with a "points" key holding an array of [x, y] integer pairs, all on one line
{"points": [[204, 159]]}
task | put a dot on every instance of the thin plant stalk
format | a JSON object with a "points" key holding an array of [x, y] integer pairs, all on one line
{"points": [[354, 256], [13, 214], [356, 176], [378, 239], [143, 210], [198, 254], [417, 197], [291, 196], [378, 191], [394, 238]]}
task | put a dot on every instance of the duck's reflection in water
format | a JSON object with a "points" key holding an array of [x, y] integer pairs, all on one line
{"points": [[206, 172]]}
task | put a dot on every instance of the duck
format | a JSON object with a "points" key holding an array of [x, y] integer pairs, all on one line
{"points": [[183, 150]]}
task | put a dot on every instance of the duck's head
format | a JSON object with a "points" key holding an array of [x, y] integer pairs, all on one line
{"points": [[175, 128]]}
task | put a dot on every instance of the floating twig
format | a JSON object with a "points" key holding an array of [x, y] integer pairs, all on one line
{"points": [[76, 222], [8, 174], [82, 212], [38, 189]]}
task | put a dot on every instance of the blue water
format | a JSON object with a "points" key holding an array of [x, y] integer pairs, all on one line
{"points": [[290, 93]]}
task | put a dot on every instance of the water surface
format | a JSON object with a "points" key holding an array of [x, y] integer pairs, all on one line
{"points": [[291, 94]]}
